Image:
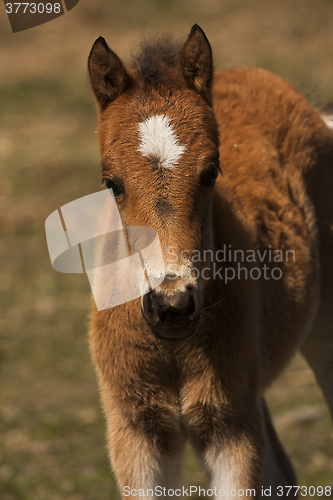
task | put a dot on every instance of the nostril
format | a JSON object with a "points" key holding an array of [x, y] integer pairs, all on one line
{"points": [[191, 308], [148, 308], [148, 304]]}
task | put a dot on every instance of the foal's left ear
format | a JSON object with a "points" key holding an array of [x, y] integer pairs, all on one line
{"points": [[107, 73], [196, 63]]}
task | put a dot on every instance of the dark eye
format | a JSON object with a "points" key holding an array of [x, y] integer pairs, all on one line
{"points": [[116, 187], [209, 177]]}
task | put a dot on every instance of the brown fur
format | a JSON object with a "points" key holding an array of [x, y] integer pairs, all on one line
{"points": [[276, 155]]}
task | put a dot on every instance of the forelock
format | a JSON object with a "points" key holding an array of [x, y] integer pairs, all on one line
{"points": [[155, 58]]}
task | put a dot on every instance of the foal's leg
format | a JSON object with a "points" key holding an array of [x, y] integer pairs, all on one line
{"points": [[145, 452], [230, 446], [318, 351], [277, 468]]}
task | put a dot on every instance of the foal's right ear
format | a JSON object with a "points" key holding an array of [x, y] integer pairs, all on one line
{"points": [[108, 76]]}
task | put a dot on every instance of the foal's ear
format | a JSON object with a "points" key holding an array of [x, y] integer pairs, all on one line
{"points": [[196, 62], [108, 76]]}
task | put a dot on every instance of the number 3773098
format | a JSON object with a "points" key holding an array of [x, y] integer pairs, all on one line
{"points": [[33, 8]]}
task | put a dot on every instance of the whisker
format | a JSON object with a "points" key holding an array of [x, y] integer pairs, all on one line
{"points": [[212, 305]]}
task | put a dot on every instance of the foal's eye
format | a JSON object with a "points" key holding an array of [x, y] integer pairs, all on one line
{"points": [[210, 176], [116, 187]]}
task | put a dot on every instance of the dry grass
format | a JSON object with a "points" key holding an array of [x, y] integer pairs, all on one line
{"points": [[52, 426]]}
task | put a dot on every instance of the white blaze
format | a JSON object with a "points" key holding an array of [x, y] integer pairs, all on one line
{"points": [[159, 141]]}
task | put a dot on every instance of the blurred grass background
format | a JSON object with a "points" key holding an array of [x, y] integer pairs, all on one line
{"points": [[52, 429]]}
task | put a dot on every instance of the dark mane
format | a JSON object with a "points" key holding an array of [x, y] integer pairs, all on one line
{"points": [[155, 58]]}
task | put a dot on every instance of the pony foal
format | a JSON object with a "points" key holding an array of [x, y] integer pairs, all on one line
{"points": [[191, 359]]}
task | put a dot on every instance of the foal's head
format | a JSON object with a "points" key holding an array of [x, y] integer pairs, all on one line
{"points": [[159, 146]]}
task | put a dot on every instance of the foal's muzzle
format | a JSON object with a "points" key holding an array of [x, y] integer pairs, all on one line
{"points": [[171, 311]]}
